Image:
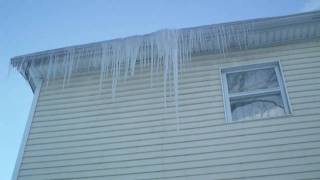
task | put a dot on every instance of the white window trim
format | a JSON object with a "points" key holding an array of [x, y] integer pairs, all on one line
{"points": [[282, 86]]}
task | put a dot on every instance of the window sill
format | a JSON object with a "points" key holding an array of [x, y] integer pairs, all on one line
{"points": [[261, 119]]}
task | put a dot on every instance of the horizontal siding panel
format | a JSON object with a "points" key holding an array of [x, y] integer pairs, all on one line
{"points": [[143, 127], [160, 105], [187, 109], [115, 135], [215, 100], [214, 127], [308, 81], [174, 141], [120, 96], [107, 97], [247, 173], [286, 174], [205, 167], [172, 156], [57, 125], [187, 162], [152, 103], [137, 119], [122, 148], [293, 175], [130, 117], [305, 76], [125, 86], [91, 100], [102, 100], [129, 122], [160, 152], [313, 63], [130, 84], [215, 153], [298, 72], [198, 71], [139, 103], [157, 95]]}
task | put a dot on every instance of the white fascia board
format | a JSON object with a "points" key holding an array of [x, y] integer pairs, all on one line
{"points": [[27, 130]]}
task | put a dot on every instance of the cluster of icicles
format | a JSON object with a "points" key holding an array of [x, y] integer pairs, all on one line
{"points": [[164, 51]]}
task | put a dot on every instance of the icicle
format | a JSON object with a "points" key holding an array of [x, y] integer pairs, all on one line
{"points": [[166, 50]]}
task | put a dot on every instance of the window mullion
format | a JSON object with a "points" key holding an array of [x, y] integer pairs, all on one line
{"points": [[254, 93], [256, 67]]}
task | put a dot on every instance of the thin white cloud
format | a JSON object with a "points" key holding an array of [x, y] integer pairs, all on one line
{"points": [[311, 5]]}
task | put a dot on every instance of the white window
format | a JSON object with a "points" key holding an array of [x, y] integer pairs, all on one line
{"points": [[254, 91]]}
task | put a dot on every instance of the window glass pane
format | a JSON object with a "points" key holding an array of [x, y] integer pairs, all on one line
{"points": [[252, 80], [257, 107]]}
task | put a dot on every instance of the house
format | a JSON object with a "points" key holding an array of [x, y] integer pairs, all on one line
{"points": [[236, 100]]}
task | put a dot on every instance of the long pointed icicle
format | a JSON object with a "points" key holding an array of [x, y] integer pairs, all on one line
{"points": [[169, 49]]}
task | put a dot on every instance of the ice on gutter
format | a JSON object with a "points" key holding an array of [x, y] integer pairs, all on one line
{"points": [[164, 51]]}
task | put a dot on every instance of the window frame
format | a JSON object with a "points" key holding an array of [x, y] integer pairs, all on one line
{"points": [[282, 89]]}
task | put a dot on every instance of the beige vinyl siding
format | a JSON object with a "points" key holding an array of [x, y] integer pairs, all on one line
{"points": [[80, 132]]}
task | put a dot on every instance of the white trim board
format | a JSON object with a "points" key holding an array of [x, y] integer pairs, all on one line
{"points": [[26, 131]]}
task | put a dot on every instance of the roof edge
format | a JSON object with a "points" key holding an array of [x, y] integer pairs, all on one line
{"points": [[261, 23]]}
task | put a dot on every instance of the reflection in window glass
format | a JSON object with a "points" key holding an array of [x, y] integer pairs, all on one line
{"points": [[252, 80], [257, 107]]}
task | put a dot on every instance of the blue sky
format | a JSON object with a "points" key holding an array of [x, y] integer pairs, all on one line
{"points": [[29, 26]]}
